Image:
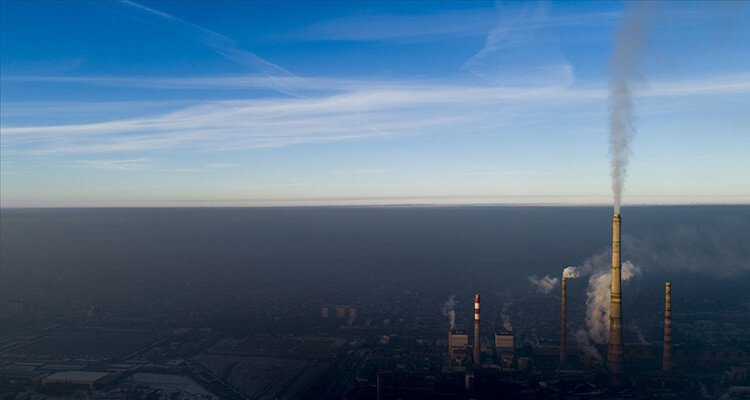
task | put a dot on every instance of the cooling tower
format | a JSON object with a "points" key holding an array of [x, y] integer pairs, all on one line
{"points": [[477, 340], [666, 365], [563, 327], [614, 355]]}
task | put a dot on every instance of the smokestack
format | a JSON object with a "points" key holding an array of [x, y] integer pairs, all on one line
{"points": [[666, 365], [450, 344], [477, 340], [378, 385], [563, 327], [614, 356]]}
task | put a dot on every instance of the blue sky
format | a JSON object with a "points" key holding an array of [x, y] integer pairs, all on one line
{"points": [[240, 103]]}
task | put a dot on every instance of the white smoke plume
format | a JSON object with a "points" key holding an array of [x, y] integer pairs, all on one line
{"points": [[506, 318], [598, 299], [594, 264], [597, 306], [597, 302], [571, 273], [639, 333], [532, 339], [544, 284], [586, 347], [710, 247], [449, 310], [624, 66]]}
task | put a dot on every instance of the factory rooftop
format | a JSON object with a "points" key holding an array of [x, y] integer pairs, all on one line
{"points": [[78, 378]]}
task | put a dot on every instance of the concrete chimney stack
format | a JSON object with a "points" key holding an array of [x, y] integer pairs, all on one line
{"points": [[563, 327], [477, 339], [666, 365], [614, 355], [450, 344]]}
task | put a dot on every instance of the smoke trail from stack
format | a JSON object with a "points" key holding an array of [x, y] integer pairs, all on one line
{"points": [[449, 310], [598, 301], [505, 317], [597, 267], [544, 284], [630, 41], [587, 348], [590, 266], [638, 333], [598, 304], [571, 273]]}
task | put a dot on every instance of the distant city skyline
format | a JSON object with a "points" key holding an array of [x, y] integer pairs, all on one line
{"points": [[246, 103]]}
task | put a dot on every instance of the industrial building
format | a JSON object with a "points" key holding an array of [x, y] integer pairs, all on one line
{"points": [[458, 342], [342, 311], [504, 350], [79, 379]]}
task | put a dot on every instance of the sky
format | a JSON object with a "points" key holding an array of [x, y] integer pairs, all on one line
{"points": [[136, 103]]}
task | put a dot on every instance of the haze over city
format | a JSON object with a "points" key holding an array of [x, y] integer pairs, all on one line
{"points": [[374, 200]]}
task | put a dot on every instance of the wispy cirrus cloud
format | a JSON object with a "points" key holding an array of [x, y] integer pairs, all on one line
{"points": [[510, 32], [242, 124], [426, 27], [517, 51], [712, 84], [228, 82], [134, 164], [397, 27], [368, 112]]}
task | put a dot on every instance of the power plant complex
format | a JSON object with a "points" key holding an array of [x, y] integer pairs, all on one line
{"points": [[467, 357], [388, 341]]}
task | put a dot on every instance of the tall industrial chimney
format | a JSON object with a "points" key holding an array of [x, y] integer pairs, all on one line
{"points": [[378, 386], [563, 328], [666, 365], [477, 340], [614, 356], [450, 344]]}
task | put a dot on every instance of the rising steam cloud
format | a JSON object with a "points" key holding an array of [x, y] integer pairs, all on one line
{"points": [[587, 348], [544, 284], [571, 272], [630, 41], [505, 316], [598, 298], [449, 310], [597, 267], [638, 333]]}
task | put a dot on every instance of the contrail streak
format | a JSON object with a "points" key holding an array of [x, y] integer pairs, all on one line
{"points": [[218, 43]]}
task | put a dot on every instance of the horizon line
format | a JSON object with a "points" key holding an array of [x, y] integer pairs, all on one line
{"points": [[289, 204]]}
